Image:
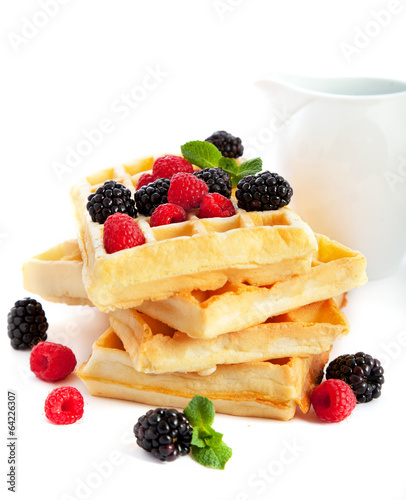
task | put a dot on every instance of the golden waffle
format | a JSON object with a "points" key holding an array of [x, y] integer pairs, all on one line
{"points": [[260, 389], [335, 269], [56, 276], [203, 254], [156, 348]]}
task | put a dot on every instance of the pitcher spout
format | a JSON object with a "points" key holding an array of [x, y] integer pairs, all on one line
{"points": [[286, 93]]}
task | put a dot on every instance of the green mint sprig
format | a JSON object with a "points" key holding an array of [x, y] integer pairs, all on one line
{"points": [[205, 155], [207, 445], [237, 172]]}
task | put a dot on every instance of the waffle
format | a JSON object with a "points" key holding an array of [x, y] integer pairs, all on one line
{"points": [[269, 389], [203, 254], [335, 269], [156, 348], [56, 276]]}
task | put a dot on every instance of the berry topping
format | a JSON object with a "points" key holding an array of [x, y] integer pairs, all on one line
{"points": [[120, 232], [27, 324], [216, 205], [186, 190], [64, 405], [167, 214], [52, 362], [165, 433], [333, 401], [151, 196], [145, 179], [264, 191], [108, 199], [217, 180], [166, 166], [362, 372], [228, 145]]}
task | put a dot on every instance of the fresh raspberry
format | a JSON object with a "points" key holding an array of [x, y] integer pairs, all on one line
{"points": [[216, 205], [121, 231], [52, 362], [167, 214], [186, 190], [145, 179], [333, 400], [166, 166], [64, 405]]}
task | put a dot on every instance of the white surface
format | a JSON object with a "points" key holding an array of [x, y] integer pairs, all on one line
{"points": [[71, 76]]}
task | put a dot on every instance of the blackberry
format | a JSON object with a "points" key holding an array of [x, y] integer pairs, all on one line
{"points": [[228, 145], [151, 196], [263, 191], [27, 324], [362, 372], [108, 199], [216, 179], [165, 433]]}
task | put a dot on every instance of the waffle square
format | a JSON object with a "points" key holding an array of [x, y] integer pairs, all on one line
{"points": [[335, 269], [269, 389], [156, 348], [56, 275], [257, 247]]}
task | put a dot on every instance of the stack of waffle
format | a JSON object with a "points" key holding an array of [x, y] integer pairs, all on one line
{"points": [[237, 309]]}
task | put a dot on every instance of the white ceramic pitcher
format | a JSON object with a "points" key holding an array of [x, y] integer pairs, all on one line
{"points": [[343, 149]]}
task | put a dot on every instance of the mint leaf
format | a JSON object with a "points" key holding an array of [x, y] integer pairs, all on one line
{"points": [[213, 440], [229, 165], [201, 153], [249, 167], [237, 172], [205, 155], [206, 436], [207, 445], [215, 457], [200, 411], [196, 439]]}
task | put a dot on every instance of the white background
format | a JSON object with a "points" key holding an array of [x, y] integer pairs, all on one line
{"points": [[62, 80]]}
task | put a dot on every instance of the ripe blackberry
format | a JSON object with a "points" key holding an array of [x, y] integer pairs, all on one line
{"points": [[361, 372], [165, 433], [228, 145], [27, 324], [151, 196], [263, 191], [108, 199], [217, 180]]}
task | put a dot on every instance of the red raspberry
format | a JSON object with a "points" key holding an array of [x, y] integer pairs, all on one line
{"points": [[216, 205], [167, 214], [166, 166], [186, 190], [52, 362], [120, 232], [333, 400], [145, 179], [64, 405]]}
